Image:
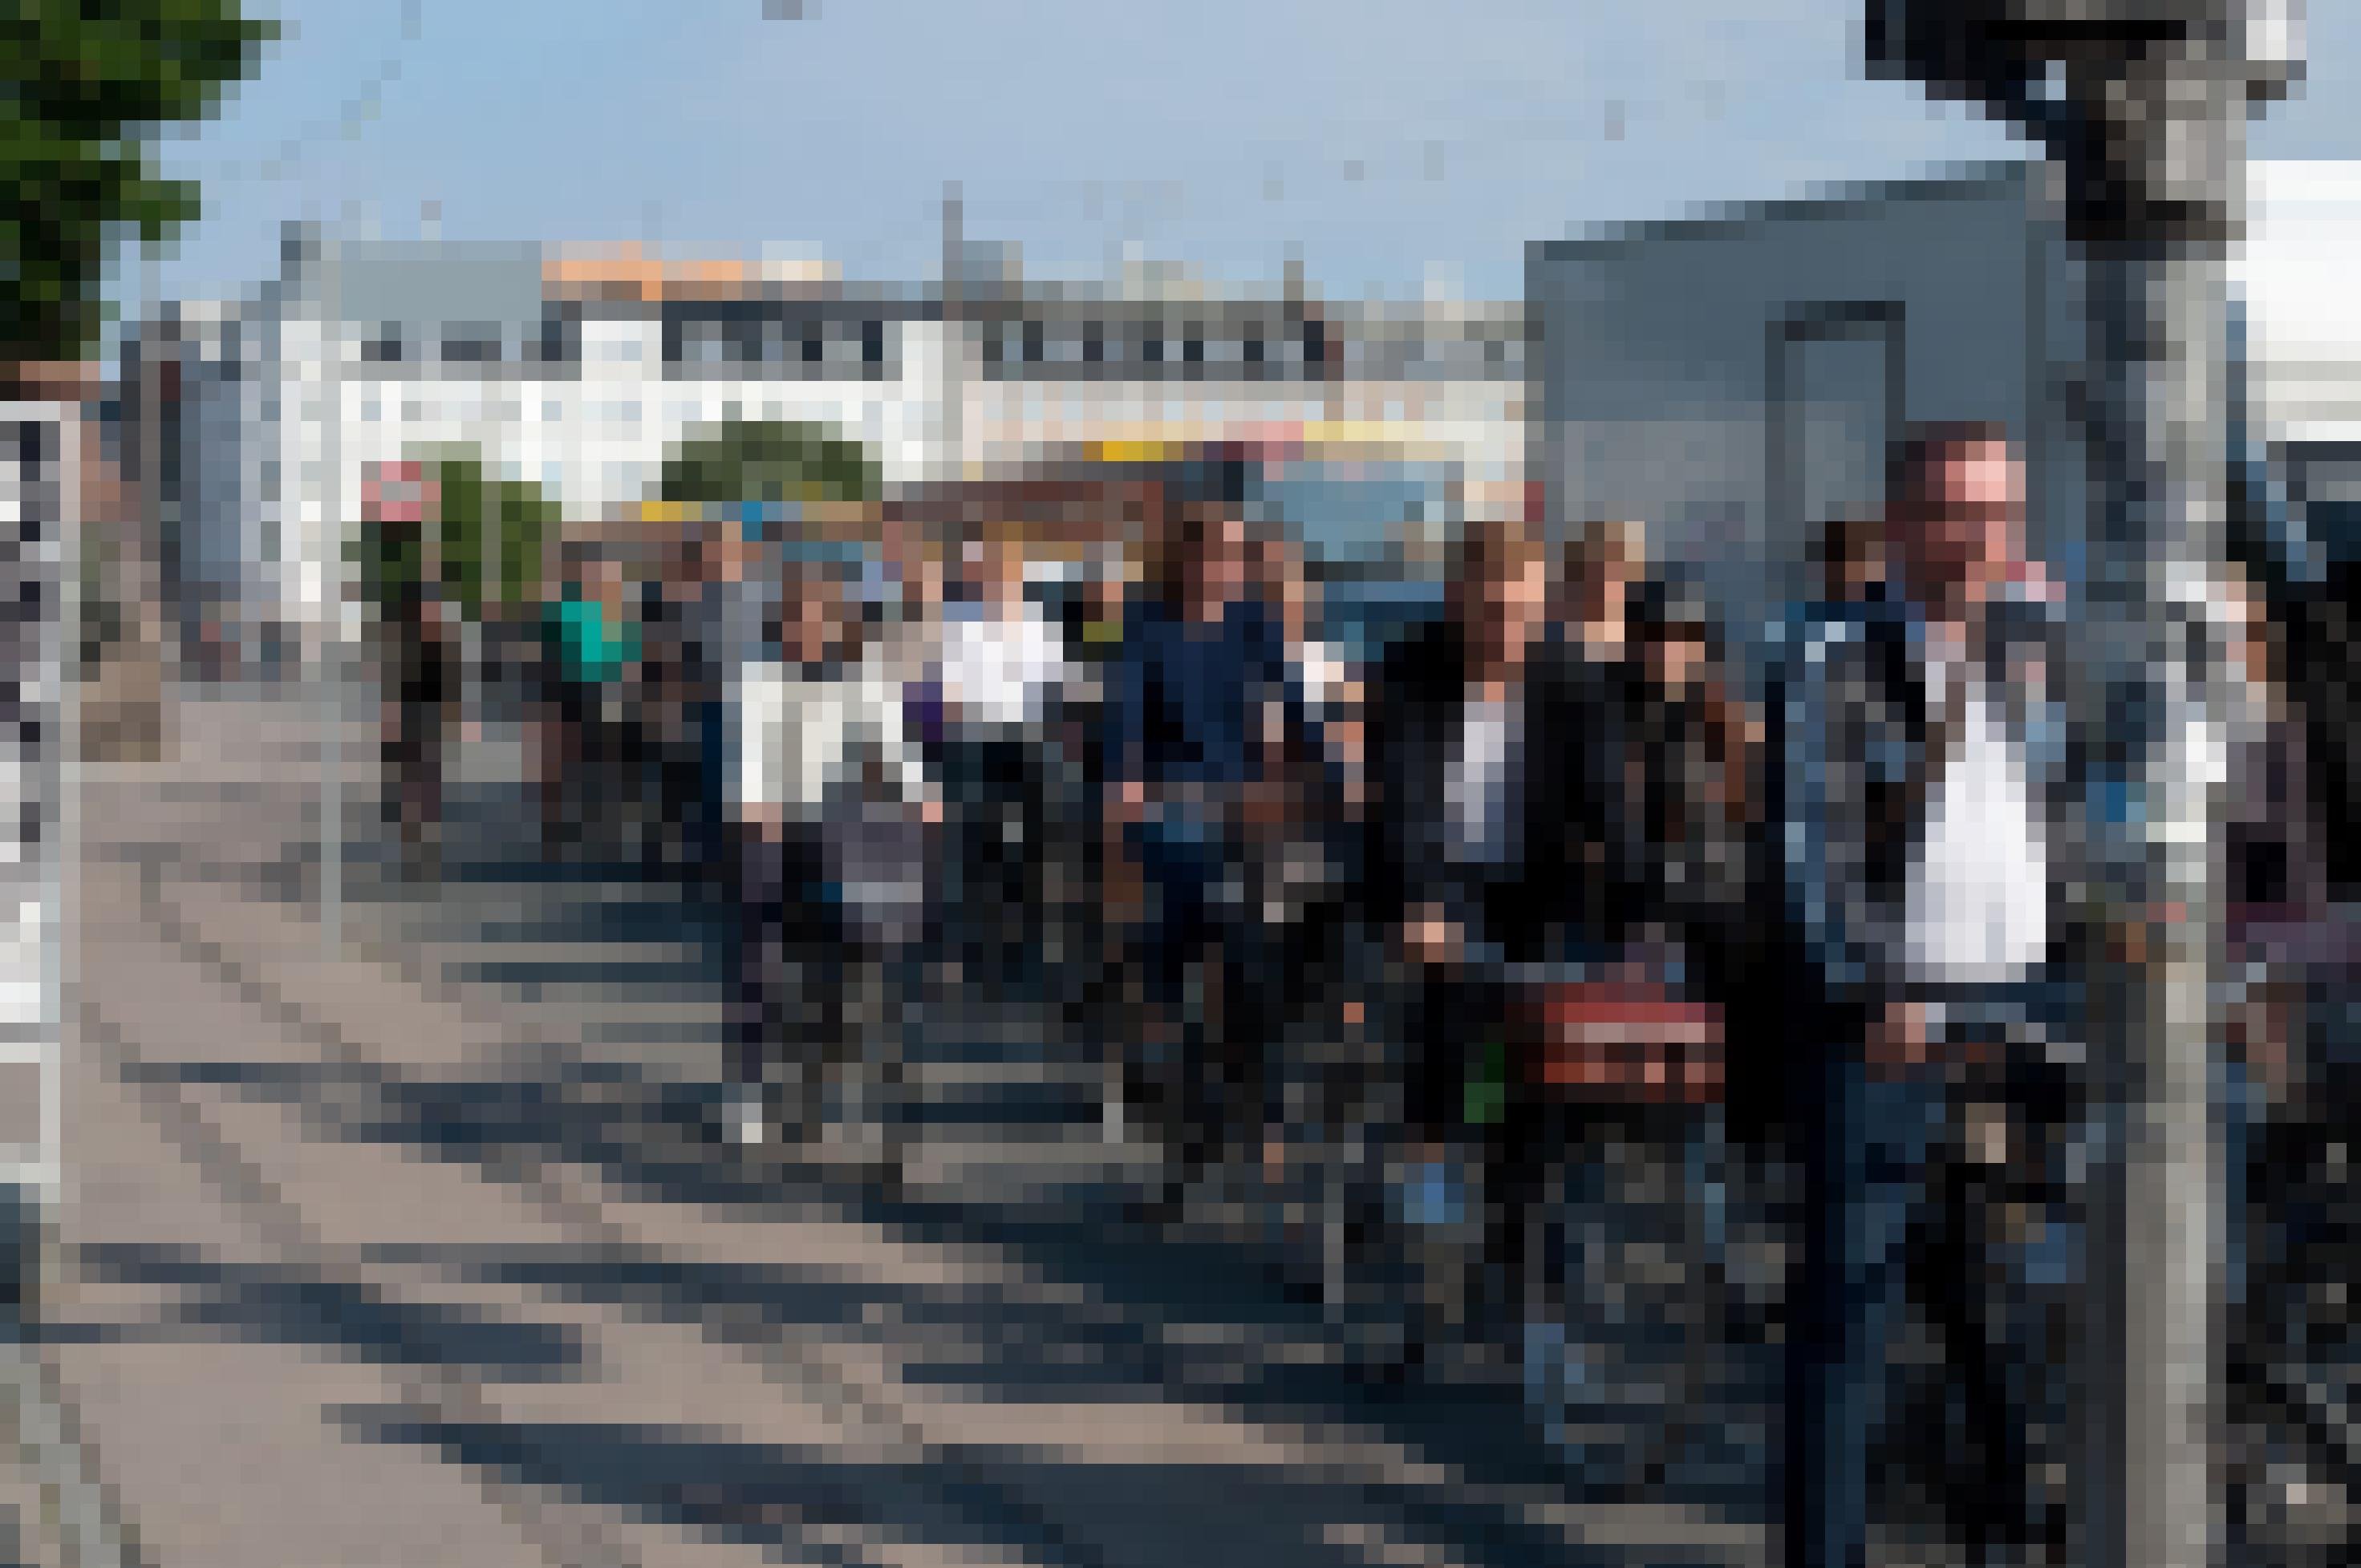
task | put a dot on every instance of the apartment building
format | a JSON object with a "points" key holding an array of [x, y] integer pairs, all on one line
{"points": [[581, 371]]}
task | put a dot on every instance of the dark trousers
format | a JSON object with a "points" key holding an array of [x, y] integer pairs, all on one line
{"points": [[1211, 1086], [1459, 1027], [1888, 1218], [416, 765], [788, 957], [583, 793], [998, 785]]}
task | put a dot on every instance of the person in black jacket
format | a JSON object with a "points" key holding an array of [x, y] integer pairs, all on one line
{"points": [[424, 688], [1469, 753], [1925, 812]]}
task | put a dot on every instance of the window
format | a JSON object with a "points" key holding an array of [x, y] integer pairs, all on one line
{"points": [[558, 341], [1094, 344], [872, 342], [1033, 343], [471, 348], [384, 348]]}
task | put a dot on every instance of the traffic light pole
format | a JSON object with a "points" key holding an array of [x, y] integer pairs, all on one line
{"points": [[2158, 1227], [2154, 164]]}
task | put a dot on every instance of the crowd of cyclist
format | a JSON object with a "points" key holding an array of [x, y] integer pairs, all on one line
{"points": [[1260, 866]]}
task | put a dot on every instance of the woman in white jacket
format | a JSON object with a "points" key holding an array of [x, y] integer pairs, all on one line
{"points": [[833, 805]]}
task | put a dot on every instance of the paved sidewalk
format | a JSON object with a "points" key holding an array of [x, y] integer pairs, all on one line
{"points": [[418, 1254]]}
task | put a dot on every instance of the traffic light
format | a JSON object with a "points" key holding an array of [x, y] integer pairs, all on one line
{"points": [[1995, 51]]}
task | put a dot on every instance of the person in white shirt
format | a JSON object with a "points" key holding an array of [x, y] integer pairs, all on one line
{"points": [[829, 798], [1926, 822], [1003, 668]]}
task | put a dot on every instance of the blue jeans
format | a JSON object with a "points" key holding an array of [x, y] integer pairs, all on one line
{"points": [[1868, 1143], [1866, 1169]]}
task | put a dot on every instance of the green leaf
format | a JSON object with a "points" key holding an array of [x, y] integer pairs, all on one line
{"points": [[85, 88], [768, 461]]}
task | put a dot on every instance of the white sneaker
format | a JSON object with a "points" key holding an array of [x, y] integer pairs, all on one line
{"points": [[743, 1120]]}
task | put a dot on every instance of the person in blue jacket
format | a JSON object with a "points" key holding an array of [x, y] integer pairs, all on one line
{"points": [[1204, 716]]}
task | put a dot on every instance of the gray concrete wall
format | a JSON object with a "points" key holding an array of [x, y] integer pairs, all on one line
{"points": [[1657, 349]]}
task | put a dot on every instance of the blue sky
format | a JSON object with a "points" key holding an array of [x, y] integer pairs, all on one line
{"points": [[1382, 138]]}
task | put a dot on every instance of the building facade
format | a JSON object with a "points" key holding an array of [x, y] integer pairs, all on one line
{"points": [[581, 372]]}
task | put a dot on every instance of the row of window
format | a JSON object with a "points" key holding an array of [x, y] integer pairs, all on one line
{"points": [[861, 347], [854, 346], [512, 411], [1028, 347]]}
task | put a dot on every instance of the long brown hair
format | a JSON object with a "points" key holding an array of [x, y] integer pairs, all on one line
{"points": [[1189, 534]]}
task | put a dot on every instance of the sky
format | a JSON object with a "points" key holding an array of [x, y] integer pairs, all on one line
{"points": [[1394, 145]]}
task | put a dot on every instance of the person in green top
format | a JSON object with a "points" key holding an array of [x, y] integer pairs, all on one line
{"points": [[593, 641], [589, 642]]}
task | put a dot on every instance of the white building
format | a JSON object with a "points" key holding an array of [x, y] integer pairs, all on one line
{"points": [[581, 373]]}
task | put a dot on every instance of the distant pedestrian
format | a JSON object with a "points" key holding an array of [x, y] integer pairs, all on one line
{"points": [[589, 645], [831, 797], [425, 677], [1004, 667], [1202, 708]]}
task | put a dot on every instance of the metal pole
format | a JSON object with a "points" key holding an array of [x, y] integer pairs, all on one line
{"points": [[2153, 178], [162, 531], [2159, 1219], [331, 673]]}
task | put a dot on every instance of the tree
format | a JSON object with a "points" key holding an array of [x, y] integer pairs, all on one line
{"points": [[479, 513], [470, 514], [768, 460], [88, 87]]}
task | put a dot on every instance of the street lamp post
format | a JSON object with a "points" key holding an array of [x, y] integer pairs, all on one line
{"points": [[2141, 107]]}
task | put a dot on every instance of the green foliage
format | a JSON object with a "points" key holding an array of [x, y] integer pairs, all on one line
{"points": [[85, 87], [475, 517], [768, 460], [393, 560]]}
